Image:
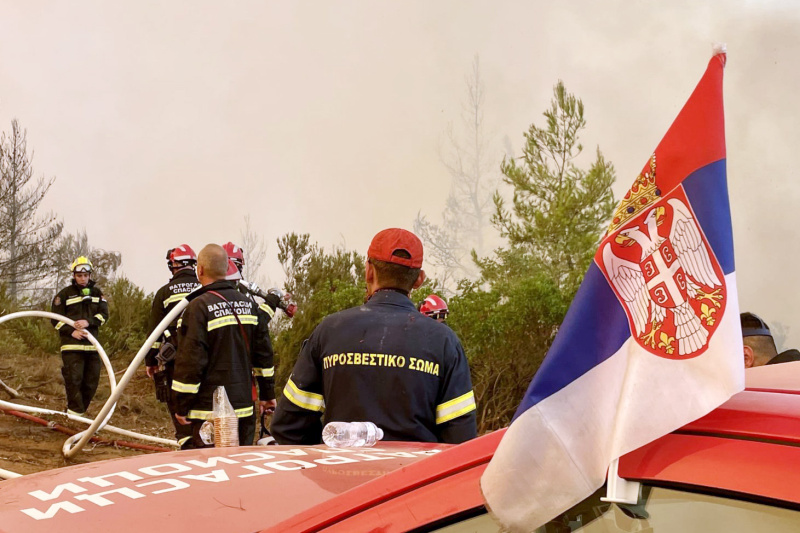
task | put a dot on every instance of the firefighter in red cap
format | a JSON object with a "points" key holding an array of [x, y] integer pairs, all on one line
{"points": [[381, 362], [83, 302], [159, 361], [435, 307]]}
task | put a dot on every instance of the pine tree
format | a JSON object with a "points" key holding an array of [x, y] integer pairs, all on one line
{"points": [[508, 319], [558, 209], [255, 252], [470, 161], [26, 239]]}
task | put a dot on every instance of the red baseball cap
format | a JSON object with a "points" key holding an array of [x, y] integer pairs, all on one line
{"points": [[389, 241]]}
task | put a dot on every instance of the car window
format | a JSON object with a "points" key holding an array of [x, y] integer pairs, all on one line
{"points": [[673, 511], [659, 510]]}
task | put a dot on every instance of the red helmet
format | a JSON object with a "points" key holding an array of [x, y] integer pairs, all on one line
{"points": [[233, 273], [235, 253], [434, 307], [182, 254]]}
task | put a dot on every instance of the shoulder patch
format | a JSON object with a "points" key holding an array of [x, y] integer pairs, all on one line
{"points": [[57, 300]]}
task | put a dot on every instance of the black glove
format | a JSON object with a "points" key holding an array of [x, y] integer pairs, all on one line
{"points": [[163, 385], [272, 300], [264, 436]]}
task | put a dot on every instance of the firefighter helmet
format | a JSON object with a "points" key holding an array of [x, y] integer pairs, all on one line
{"points": [[233, 273], [183, 255], [434, 307], [81, 264], [235, 253]]}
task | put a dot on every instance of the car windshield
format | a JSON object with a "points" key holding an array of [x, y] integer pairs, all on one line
{"points": [[668, 510], [660, 510]]}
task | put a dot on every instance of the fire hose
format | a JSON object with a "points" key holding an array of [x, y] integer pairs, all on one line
{"points": [[69, 431], [8, 407], [82, 438], [77, 441]]}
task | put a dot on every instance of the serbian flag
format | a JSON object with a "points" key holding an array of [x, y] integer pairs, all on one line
{"points": [[652, 339]]}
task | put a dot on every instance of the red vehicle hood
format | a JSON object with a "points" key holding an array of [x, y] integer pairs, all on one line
{"points": [[218, 489]]}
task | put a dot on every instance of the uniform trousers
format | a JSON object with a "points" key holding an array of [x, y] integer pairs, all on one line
{"points": [[182, 433], [81, 373]]}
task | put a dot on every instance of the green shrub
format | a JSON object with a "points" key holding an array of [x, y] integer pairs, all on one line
{"points": [[506, 332], [128, 313], [322, 283], [22, 335]]}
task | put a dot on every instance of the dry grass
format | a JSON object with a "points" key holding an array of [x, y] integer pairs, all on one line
{"points": [[26, 447]]}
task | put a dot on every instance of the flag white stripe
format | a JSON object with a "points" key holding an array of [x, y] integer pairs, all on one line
{"points": [[561, 447]]}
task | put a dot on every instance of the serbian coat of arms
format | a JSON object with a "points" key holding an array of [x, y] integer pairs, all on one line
{"points": [[663, 271]]}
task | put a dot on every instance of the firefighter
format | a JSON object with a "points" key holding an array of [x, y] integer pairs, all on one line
{"points": [[381, 362], [159, 361], [83, 302], [435, 307], [221, 342], [266, 310], [271, 300]]}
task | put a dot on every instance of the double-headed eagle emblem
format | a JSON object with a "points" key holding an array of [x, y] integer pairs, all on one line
{"points": [[663, 272]]}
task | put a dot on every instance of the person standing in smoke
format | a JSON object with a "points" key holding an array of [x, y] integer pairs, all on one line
{"points": [[83, 302], [221, 342], [159, 361]]}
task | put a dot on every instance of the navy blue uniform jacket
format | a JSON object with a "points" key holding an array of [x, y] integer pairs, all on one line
{"points": [[383, 362], [182, 283], [79, 303]]}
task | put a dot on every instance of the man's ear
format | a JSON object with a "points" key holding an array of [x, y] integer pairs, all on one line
{"points": [[420, 279], [201, 271], [749, 357], [369, 272]]}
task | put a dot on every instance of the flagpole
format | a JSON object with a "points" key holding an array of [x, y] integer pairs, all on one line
{"points": [[619, 490]]}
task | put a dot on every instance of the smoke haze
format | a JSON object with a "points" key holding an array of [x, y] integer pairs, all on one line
{"points": [[168, 122]]}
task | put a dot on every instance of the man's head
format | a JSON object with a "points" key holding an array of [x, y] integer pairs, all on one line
{"points": [[181, 257], [81, 270], [212, 264], [394, 261], [759, 346]]}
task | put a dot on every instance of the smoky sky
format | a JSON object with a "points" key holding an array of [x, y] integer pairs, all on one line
{"points": [[169, 122]]}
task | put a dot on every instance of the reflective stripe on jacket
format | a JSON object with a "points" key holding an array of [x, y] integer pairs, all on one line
{"points": [[182, 283], [79, 303]]}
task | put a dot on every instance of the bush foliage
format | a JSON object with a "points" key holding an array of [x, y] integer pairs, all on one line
{"points": [[125, 331]]}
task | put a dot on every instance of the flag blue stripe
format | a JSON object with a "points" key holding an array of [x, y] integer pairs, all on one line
{"points": [[707, 191], [597, 326]]}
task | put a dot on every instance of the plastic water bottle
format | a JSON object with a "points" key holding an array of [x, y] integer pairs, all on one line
{"points": [[351, 434], [226, 423], [207, 432]]}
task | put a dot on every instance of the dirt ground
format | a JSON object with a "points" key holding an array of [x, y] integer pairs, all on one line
{"points": [[27, 447]]}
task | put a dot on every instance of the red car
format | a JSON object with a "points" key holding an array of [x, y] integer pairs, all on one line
{"points": [[737, 469]]}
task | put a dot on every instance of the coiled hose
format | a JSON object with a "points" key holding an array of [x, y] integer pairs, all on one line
{"points": [[76, 442]]}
